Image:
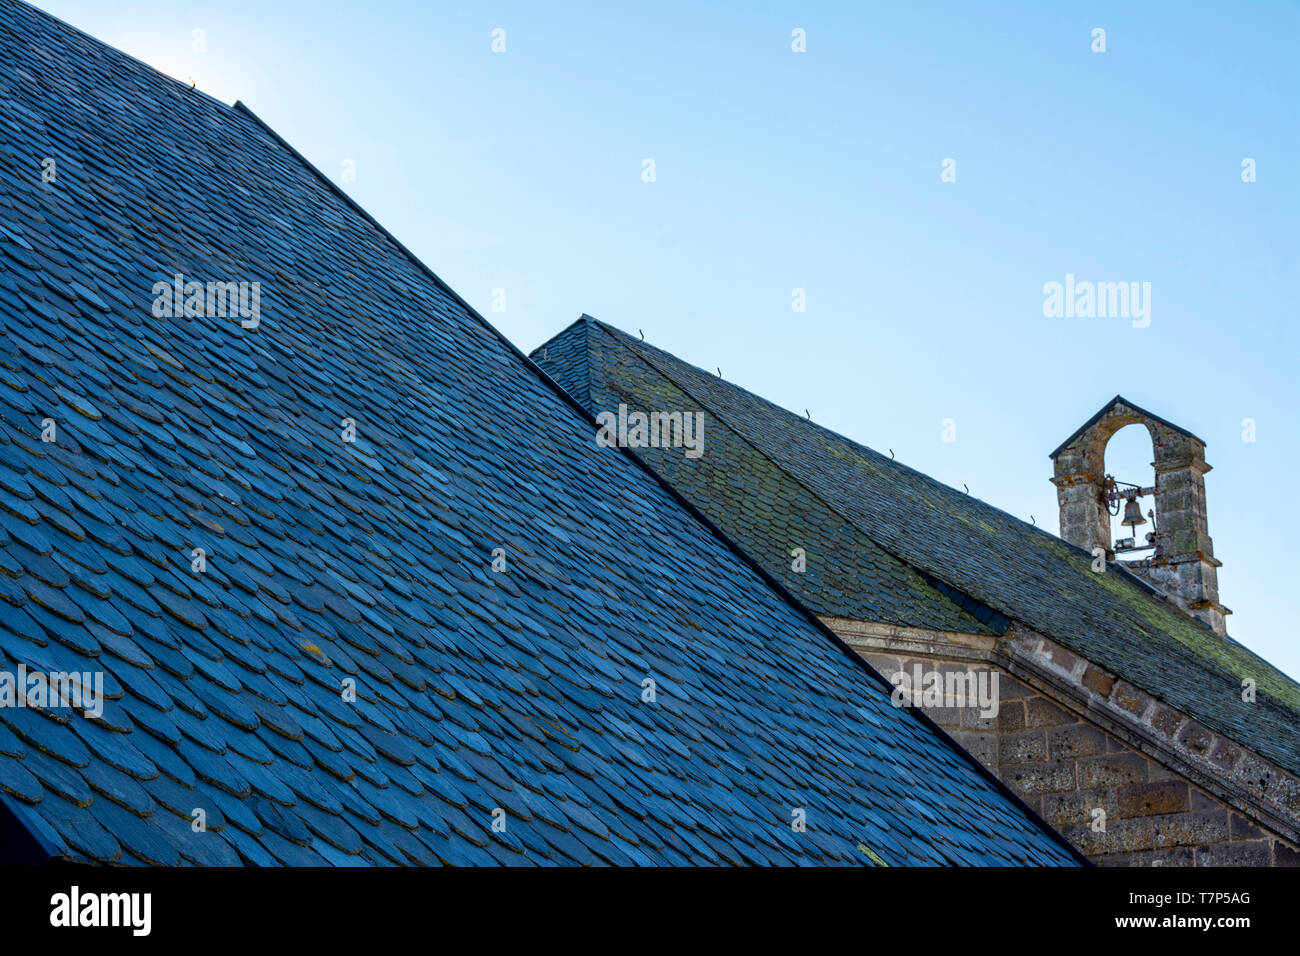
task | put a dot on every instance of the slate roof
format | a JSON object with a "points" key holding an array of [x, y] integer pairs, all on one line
{"points": [[754, 503], [372, 562], [774, 461]]}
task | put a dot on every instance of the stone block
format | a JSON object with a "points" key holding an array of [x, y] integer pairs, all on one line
{"points": [[1285, 855], [1195, 738], [1074, 808], [1194, 828], [1158, 771], [1148, 799], [1060, 657], [1129, 698], [1239, 828], [1166, 721], [946, 717], [1112, 770], [1098, 681], [1178, 856], [1250, 853], [971, 718], [1225, 754], [982, 746], [1027, 746], [1041, 712], [1011, 717], [1120, 836], [1011, 689], [1076, 740], [1051, 776]]}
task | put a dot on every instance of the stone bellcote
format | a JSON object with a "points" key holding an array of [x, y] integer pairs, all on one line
{"points": [[1182, 564]]}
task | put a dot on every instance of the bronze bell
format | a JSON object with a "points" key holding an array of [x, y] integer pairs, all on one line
{"points": [[1133, 514]]}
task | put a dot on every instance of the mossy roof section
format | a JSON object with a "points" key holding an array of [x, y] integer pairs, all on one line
{"points": [[371, 561], [1019, 570], [755, 503]]}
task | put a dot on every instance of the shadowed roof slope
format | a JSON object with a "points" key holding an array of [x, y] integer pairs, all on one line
{"points": [[368, 565], [985, 554]]}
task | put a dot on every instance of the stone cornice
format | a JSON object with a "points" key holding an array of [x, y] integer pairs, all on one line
{"points": [[1258, 788]]}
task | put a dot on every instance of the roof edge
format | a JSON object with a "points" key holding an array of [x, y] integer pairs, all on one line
{"points": [[26, 837], [583, 319], [1120, 400], [743, 556], [825, 629], [181, 85]]}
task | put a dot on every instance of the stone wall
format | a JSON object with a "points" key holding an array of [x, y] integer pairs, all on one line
{"points": [[1066, 768]]}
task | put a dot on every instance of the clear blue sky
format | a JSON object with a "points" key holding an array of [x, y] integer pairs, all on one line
{"points": [[522, 171]]}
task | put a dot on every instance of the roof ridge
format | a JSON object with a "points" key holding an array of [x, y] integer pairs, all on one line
{"points": [[894, 463], [100, 44], [586, 322]]}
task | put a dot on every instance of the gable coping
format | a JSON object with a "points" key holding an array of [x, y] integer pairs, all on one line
{"points": [[1256, 786]]}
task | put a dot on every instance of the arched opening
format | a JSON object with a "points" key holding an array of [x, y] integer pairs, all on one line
{"points": [[1105, 469], [1128, 459]]}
